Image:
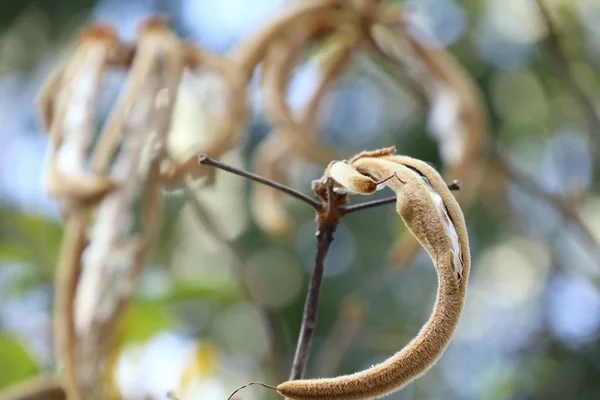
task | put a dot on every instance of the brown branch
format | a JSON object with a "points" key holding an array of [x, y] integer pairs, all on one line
{"points": [[327, 223], [345, 210], [328, 218], [203, 159], [368, 204], [564, 69]]}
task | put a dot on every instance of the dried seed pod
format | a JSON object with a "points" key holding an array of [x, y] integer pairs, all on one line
{"points": [[66, 104], [350, 179], [138, 125], [268, 207], [435, 219], [226, 132]]}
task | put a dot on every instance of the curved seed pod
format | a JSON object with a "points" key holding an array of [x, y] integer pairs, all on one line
{"points": [[435, 219], [253, 50], [273, 155], [138, 125], [457, 116], [155, 40], [65, 286], [277, 76], [66, 105], [230, 124]]}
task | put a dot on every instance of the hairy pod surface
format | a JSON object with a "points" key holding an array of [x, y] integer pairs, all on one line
{"points": [[433, 216]]}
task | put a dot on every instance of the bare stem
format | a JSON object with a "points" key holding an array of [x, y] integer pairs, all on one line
{"points": [[327, 223], [564, 69], [203, 159], [345, 210], [368, 204], [325, 236]]}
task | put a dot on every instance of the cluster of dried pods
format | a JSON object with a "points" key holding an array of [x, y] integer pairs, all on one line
{"points": [[109, 182], [102, 178]]}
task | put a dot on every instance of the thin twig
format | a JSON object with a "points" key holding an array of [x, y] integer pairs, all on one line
{"points": [[564, 69], [205, 219], [368, 204], [328, 222], [231, 396], [203, 159], [345, 210]]}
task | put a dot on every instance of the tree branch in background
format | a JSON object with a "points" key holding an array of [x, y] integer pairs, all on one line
{"points": [[563, 67], [529, 184], [205, 219], [341, 338]]}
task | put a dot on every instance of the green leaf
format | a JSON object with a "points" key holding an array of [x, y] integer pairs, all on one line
{"points": [[13, 252], [142, 320], [15, 362]]}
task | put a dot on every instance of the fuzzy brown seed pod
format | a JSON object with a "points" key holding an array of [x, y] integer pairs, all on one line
{"points": [[435, 219]]}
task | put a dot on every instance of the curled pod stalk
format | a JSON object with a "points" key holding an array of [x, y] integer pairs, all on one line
{"points": [[68, 271], [268, 207], [273, 156], [253, 50], [457, 116], [435, 219], [66, 104], [229, 127], [277, 76]]}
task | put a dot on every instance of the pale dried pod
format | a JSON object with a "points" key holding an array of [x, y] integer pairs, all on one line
{"points": [[270, 160], [66, 104]]}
